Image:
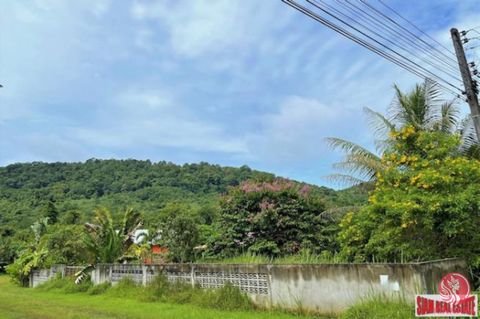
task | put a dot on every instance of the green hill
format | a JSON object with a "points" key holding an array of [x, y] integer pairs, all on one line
{"points": [[26, 188]]}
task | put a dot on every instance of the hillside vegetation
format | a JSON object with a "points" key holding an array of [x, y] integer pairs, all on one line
{"points": [[70, 192]]}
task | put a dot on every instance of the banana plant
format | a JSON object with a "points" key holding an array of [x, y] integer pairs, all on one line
{"points": [[105, 242]]}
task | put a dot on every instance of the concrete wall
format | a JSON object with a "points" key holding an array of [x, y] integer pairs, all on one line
{"points": [[327, 288], [331, 288], [38, 277]]}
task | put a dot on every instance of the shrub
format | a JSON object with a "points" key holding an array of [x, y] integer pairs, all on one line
{"points": [[99, 289], [57, 283], [377, 308], [71, 287], [182, 293], [227, 297], [126, 287], [66, 285], [160, 289], [157, 289]]}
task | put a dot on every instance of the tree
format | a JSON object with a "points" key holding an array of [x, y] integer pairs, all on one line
{"points": [[424, 110], [39, 228], [71, 218], [27, 260], [65, 245], [50, 211], [180, 234], [425, 203], [30, 257], [27, 188], [274, 218]]}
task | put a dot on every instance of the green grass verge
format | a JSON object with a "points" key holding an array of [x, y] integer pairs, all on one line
{"points": [[54, 302], [378, 308], [60, 298]]}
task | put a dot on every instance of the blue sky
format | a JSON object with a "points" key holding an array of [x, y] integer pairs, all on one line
{"points": [[230, 82]]}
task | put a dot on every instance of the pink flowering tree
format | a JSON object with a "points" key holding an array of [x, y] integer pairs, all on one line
{"points": [[274, 218]]}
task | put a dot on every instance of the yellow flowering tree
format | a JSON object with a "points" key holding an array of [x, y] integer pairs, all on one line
{"points": [[425, 204], [421, 109]]}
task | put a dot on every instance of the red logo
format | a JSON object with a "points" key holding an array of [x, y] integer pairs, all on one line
{"points": [[454, 288], [453, 299]]}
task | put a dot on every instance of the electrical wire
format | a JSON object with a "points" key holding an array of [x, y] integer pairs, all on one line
{"points": [[401, 56], [408, 51], [471, 48], [413, 25], [417, 38], [474, 29], [397, 33], [365, 44]]}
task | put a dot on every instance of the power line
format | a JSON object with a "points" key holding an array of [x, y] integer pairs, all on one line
{"points": [[401, 56], [471, 48], [365, 44], [381, 14], [474, 29], [413, 25], [398, 34], [408, 51]]}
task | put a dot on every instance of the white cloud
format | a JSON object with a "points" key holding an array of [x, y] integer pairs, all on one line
{"points": [[248, 79], [100, 7], [204, 27], [295, 134], [154, 119]]}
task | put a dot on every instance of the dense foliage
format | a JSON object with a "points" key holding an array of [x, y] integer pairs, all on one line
{"points": [[179, 231], [25, 189], [274, 218], [425, 204], [424, 109], [68, 194], [107, 244]]}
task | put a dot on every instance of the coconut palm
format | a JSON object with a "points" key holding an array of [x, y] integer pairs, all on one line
{"points": [[422, 108]]}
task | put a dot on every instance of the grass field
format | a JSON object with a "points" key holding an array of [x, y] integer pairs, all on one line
{"points": [[50, 302], [23, 303]]}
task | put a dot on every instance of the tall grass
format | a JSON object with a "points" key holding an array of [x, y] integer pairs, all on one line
{"points": [[380, 308], [65, 285], [227, 297], [160, 289], [303, 257], [99, 289]]}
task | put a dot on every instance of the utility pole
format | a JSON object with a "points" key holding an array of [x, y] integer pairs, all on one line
{"points": [[468, 83]]}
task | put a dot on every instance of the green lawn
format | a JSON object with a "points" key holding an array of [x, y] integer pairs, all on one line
{"points": [[19, 303]]}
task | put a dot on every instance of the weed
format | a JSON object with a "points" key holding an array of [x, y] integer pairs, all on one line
{"points": [[305, 256], [227, 297], [379, 308], [66, 285], [126, 287], [99, 289]]}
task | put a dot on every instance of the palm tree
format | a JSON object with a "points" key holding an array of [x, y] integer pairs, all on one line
{"points": [[422, 108]]}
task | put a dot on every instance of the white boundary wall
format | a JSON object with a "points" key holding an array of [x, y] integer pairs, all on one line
{"points": [[327, 288]]}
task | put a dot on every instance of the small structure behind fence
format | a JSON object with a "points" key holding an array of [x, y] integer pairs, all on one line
{"points": [[328, 288]]}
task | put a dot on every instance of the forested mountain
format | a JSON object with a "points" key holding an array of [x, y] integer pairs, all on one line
{"points": [[74, 190]]}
